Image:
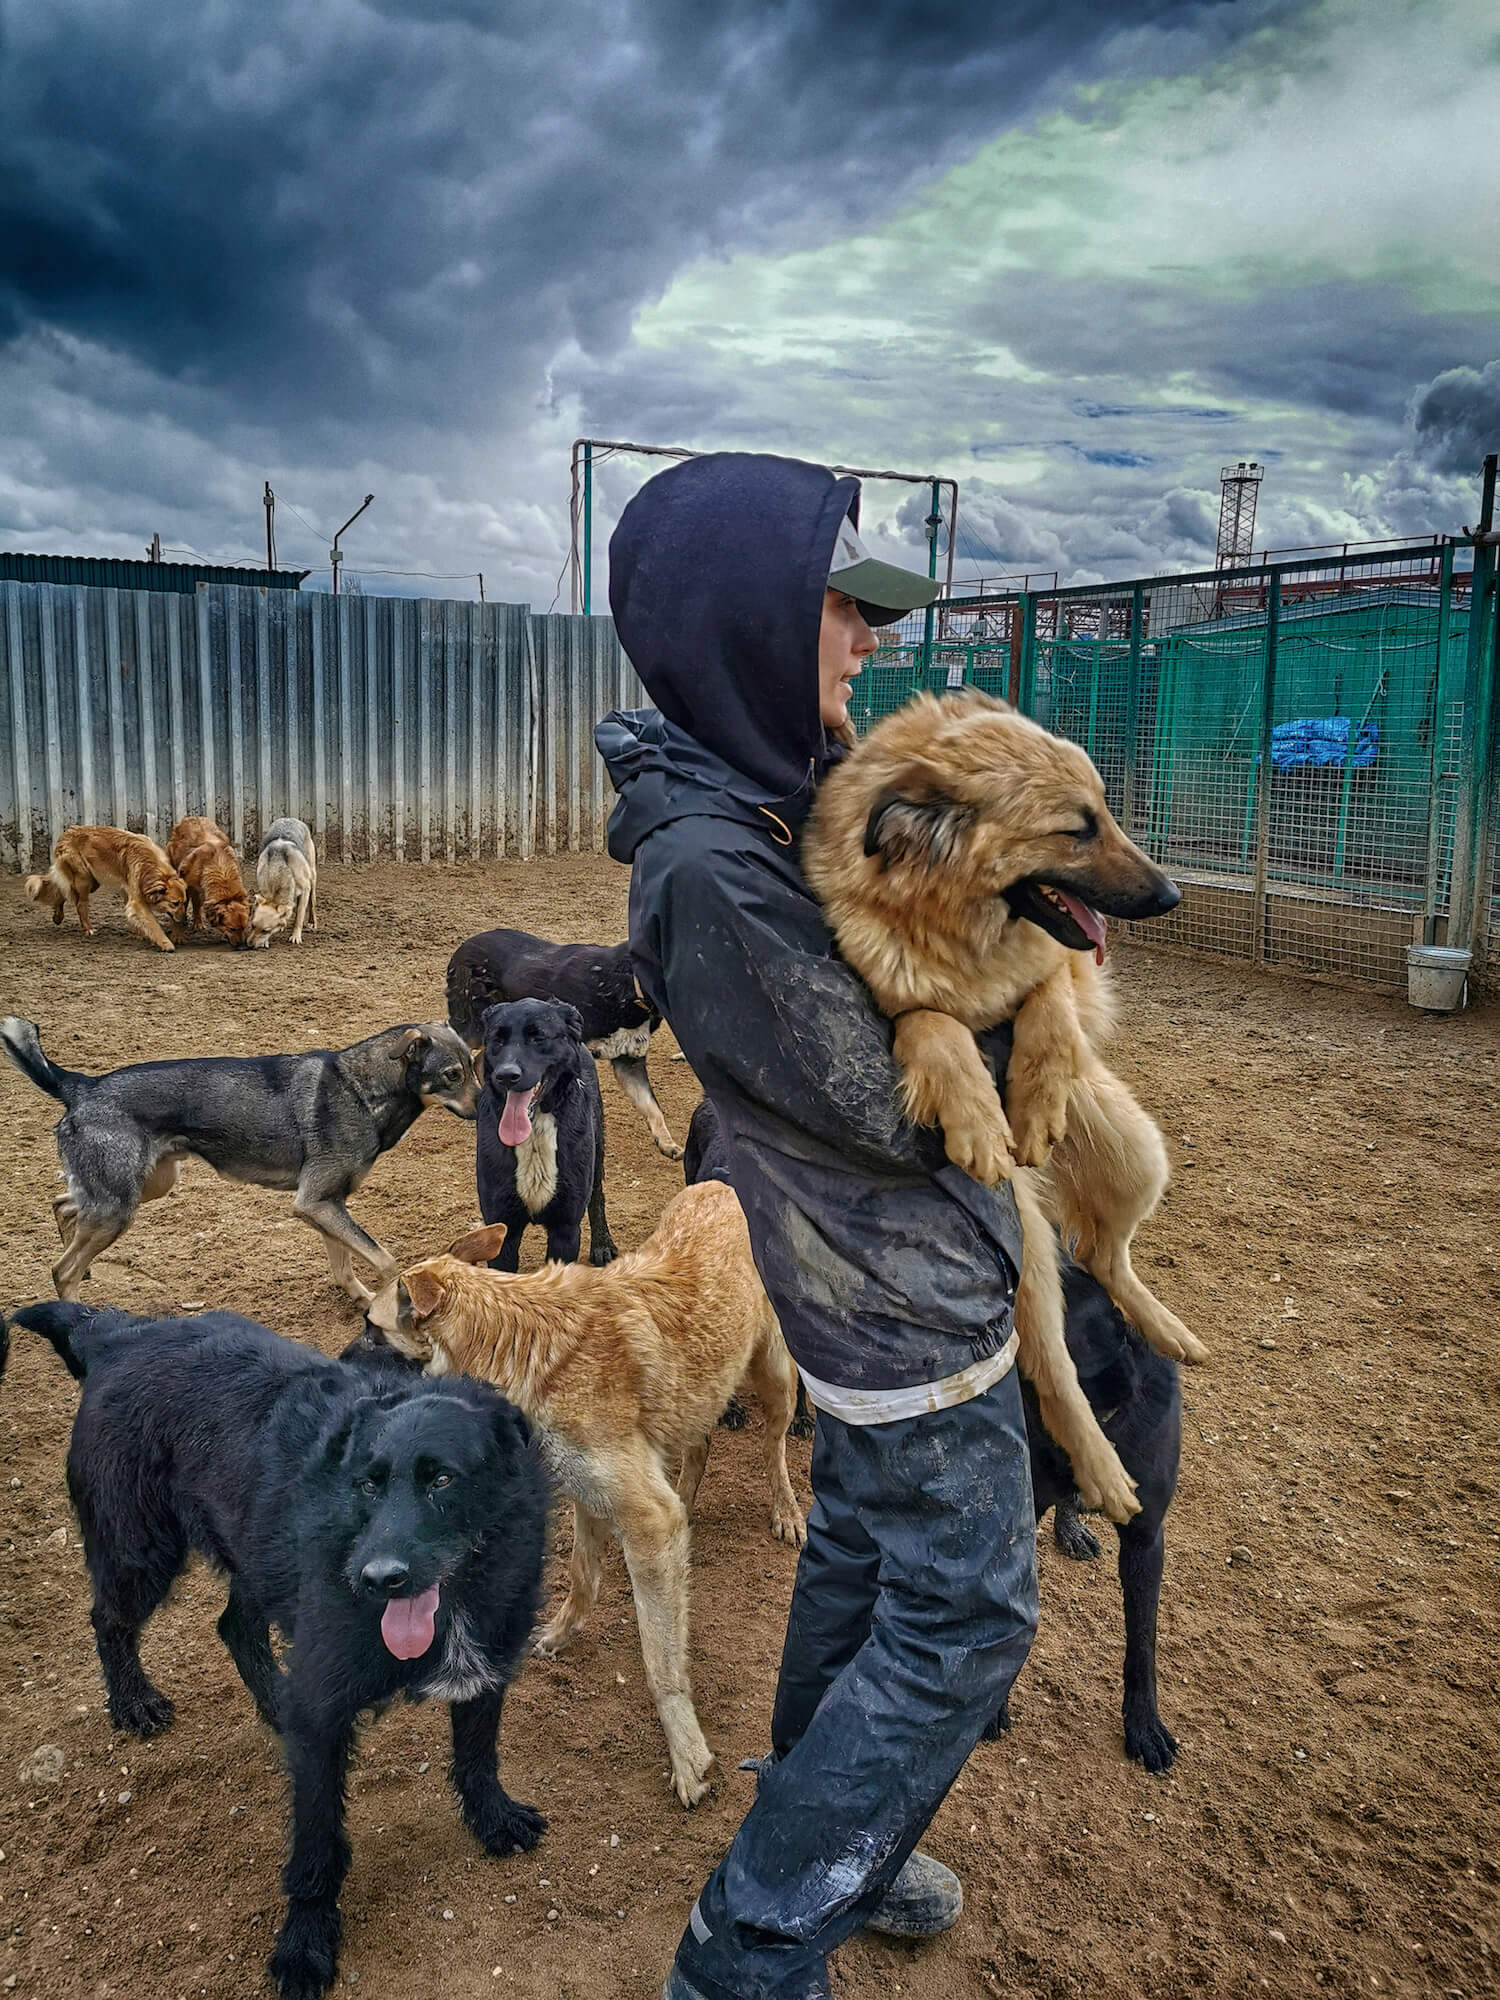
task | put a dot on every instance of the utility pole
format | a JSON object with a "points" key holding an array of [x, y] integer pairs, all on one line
{"points": [[270, 507], [153, 554], [480, 574], [336, 554]]}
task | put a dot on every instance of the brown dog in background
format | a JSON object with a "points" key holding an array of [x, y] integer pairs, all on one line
{"points": [[623, 1371], [86, 858], [199, 850], [965, 858]]}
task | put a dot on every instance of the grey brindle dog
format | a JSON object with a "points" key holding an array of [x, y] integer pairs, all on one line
{"points": [[313, 1123]]}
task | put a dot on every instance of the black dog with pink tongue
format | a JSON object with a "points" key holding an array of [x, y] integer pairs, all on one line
{"points": [[540, 1150], [390, 1526]]}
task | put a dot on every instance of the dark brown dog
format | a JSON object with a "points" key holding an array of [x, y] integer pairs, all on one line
{"points": [[200, 851]]}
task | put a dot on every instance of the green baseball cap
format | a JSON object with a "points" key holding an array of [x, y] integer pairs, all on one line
{"points": [[883, 592]]}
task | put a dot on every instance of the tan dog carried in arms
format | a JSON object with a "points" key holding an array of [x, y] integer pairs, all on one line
{"points": [[86, 858], [624, 1372], [199, 850], [965, 859], [286, 882]]}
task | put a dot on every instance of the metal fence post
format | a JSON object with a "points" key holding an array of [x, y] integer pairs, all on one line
{"points": [[1433, 867], [1026, 687], [20, 736], [588, 528], [1468, 818], [1260, 908], [1132, 708]]}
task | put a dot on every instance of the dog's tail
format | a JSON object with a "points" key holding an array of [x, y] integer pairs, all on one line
{"points": [[71, 1328], [22, 1042]]}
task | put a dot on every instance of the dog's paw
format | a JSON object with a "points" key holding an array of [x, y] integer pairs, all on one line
{"points": [[144, 1714], [690, 1777], [1148, 1741], [1169, 1336], [805, 1426], [998, 1724], [978, 1139], [554, 1639], [670, 1151], [1038, 1128], [602, 1253], [306, 1959], [1111, 1491], [1077, 1542], [787, 1525], [734, 1415], [502, 1825]]}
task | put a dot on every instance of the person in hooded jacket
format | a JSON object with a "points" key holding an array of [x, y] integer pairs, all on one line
{"points": [[744, 599]]}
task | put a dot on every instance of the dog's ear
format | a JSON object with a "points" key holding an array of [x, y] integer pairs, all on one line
{"points": [[414, 1044], [914, 819], [480, 1245], [573, 1018], [425, 1292]]}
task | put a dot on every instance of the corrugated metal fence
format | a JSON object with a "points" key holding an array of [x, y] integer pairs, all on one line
{"points": [[398, 728]]}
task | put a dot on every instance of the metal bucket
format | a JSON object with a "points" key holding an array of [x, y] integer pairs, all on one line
{"points": [[1436, 975]]}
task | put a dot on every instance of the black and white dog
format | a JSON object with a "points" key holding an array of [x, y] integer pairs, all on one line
{"points": [[313, 1123], [540, 1156], [593, 978], [392, 1528]]}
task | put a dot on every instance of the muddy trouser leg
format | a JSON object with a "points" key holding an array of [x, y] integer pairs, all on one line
{"points": [[922, 1550]]}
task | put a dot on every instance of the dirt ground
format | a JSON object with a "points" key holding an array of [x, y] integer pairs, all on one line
{"points": [[1329, 1623]]}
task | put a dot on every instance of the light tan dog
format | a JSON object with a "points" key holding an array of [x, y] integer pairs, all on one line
{"points": [[86, 858], [199, 850], [964, 857], [286, 882], [624, 1371]]}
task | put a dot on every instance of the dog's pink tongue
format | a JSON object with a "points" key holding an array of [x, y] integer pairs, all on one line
{"points": [[407, 1623], [515, 1119], [1088, 921]]}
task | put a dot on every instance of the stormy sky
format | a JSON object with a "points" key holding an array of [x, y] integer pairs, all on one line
{"points": [[1075, 256]]}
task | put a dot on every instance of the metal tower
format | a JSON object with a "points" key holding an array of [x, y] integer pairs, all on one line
{"points": [[1238, 488]]}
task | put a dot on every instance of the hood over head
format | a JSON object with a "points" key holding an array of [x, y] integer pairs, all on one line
{"points": [[717, 572]]}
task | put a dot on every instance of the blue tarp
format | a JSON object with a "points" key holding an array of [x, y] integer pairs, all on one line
{"points": [[1322, 740]]}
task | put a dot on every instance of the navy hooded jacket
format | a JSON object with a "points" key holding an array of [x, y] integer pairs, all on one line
{"points": [[887, 1266]]}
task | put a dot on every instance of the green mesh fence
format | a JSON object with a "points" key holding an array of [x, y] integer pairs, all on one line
{"points": [[1290, 741]]}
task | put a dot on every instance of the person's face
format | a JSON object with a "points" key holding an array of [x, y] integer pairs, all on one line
{"points": [[845, 641]]}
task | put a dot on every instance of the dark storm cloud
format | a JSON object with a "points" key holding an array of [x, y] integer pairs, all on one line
{"points": [[362, 211], [1457, 418], [1356, 351]]}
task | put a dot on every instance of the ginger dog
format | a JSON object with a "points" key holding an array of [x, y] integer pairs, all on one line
{"points": [[966, 859], [624, 1372], [200, 851], [86, 858]]}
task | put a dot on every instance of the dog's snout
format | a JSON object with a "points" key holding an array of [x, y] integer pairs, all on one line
{"points": [[506, 1074], [386, 1574], [1163, 895]]}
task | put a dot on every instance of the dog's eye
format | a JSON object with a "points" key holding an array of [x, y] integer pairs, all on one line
{"points": [[370, 1486], [1089, 830], [443, 1479]]}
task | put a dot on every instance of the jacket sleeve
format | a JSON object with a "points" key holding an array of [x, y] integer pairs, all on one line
{"points": [[755, 995]]}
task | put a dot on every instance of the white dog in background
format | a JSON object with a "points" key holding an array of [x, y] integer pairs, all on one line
{"points": [[286, 882]]}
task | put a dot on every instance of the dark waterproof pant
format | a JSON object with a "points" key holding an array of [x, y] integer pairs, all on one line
{"points": [[914, 1608]]}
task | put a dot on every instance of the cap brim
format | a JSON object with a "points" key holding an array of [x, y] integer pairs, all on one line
{"points": [[883, 592]]}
